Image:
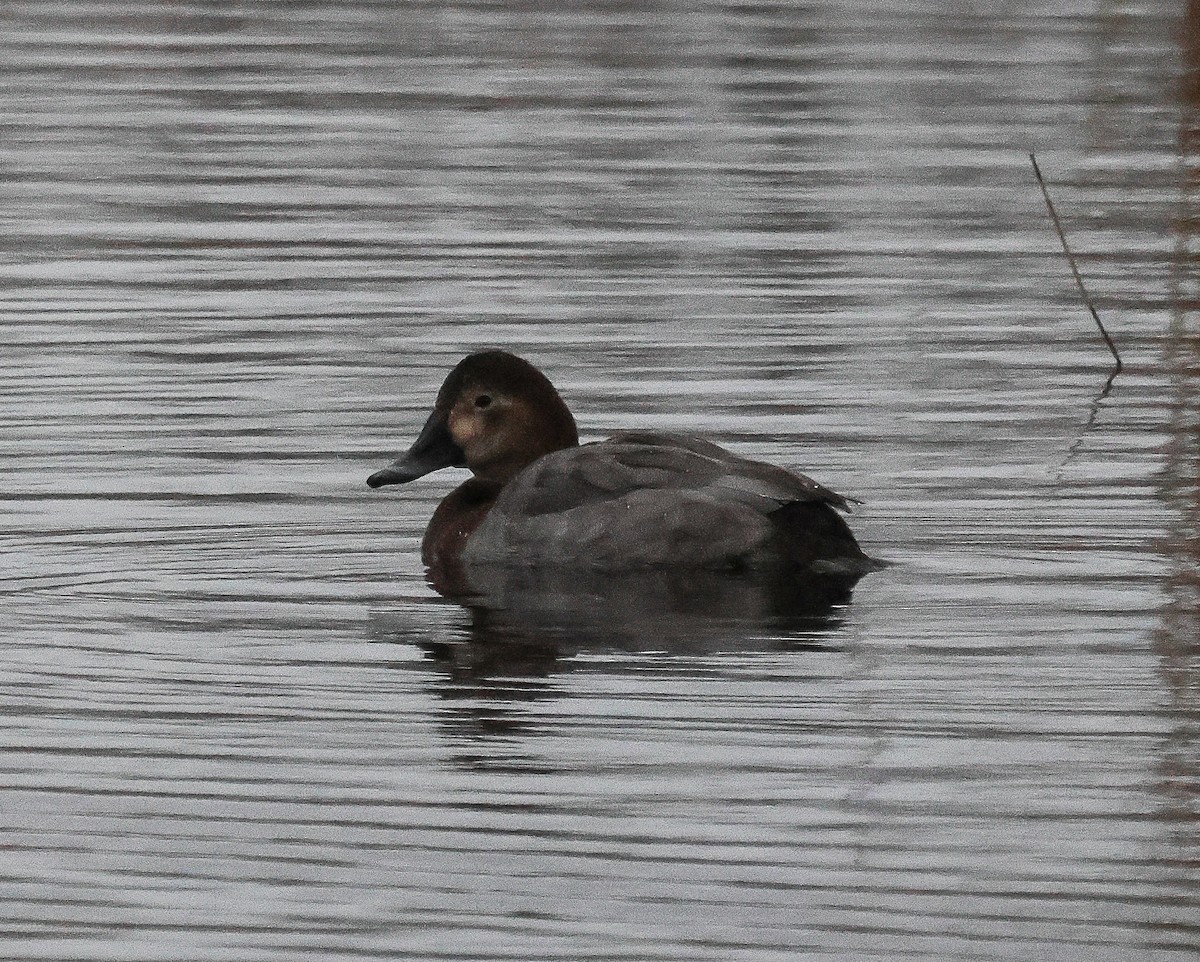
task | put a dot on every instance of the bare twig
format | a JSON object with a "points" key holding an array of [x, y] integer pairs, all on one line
{"points": [[1075, 267]]}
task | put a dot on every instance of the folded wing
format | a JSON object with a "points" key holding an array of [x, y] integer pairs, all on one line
{"points": [[646, 499]]}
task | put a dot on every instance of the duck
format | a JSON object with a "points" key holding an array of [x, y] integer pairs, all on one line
{"points": [[640, 500]]}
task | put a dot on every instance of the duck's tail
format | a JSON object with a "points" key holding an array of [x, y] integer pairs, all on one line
{"points": [[814, 538]]}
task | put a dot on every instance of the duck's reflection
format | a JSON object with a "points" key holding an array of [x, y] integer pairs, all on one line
{"points": [[499, 663], [528, 622]]}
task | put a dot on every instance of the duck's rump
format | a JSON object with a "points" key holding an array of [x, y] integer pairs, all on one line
{"points": [[643, 499]]}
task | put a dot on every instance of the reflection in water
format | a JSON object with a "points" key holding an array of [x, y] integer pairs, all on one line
{"points": [[522, 626], [525, 622], [686, 612]]}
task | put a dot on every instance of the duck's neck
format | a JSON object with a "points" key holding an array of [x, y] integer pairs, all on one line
{"points": [[496, 474]]}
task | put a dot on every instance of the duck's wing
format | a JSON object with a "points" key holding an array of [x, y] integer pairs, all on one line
{"points": [[641, 499], [741, 476], [642, 460]]}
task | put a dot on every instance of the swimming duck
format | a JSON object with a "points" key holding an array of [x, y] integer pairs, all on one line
{"points": [[639, 500]]}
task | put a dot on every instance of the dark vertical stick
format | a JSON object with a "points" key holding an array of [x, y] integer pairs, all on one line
{"points": [[1074, 267]]}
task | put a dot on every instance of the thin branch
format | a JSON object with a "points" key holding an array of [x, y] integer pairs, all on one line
{"points": [[1075, 267]]}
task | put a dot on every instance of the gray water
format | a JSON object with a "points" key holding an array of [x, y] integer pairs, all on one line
{"points": [[242, 244]]}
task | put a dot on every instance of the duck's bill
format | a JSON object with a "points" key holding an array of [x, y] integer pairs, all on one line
{"points": [[433, 450]]}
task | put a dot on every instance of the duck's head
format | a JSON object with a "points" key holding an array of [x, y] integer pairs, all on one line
{"points": [[495, 414]]}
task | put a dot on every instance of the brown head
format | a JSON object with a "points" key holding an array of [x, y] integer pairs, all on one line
{"points": [[495, 414]]}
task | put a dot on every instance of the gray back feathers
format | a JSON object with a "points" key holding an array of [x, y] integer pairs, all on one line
{"points": [[641, 499]]}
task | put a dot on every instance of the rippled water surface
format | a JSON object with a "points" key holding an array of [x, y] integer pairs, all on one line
{"points": [[242, 244]]}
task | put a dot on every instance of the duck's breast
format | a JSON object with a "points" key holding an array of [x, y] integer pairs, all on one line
{"points": [[454, 522]]}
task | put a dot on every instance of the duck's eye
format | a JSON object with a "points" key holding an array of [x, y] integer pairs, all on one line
{"points": [[483, 401]]}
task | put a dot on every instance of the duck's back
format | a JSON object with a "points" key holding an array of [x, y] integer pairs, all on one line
{"points": [[644, 499]]}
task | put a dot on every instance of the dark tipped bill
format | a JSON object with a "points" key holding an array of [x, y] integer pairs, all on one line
{"points": [[434, 449]]}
